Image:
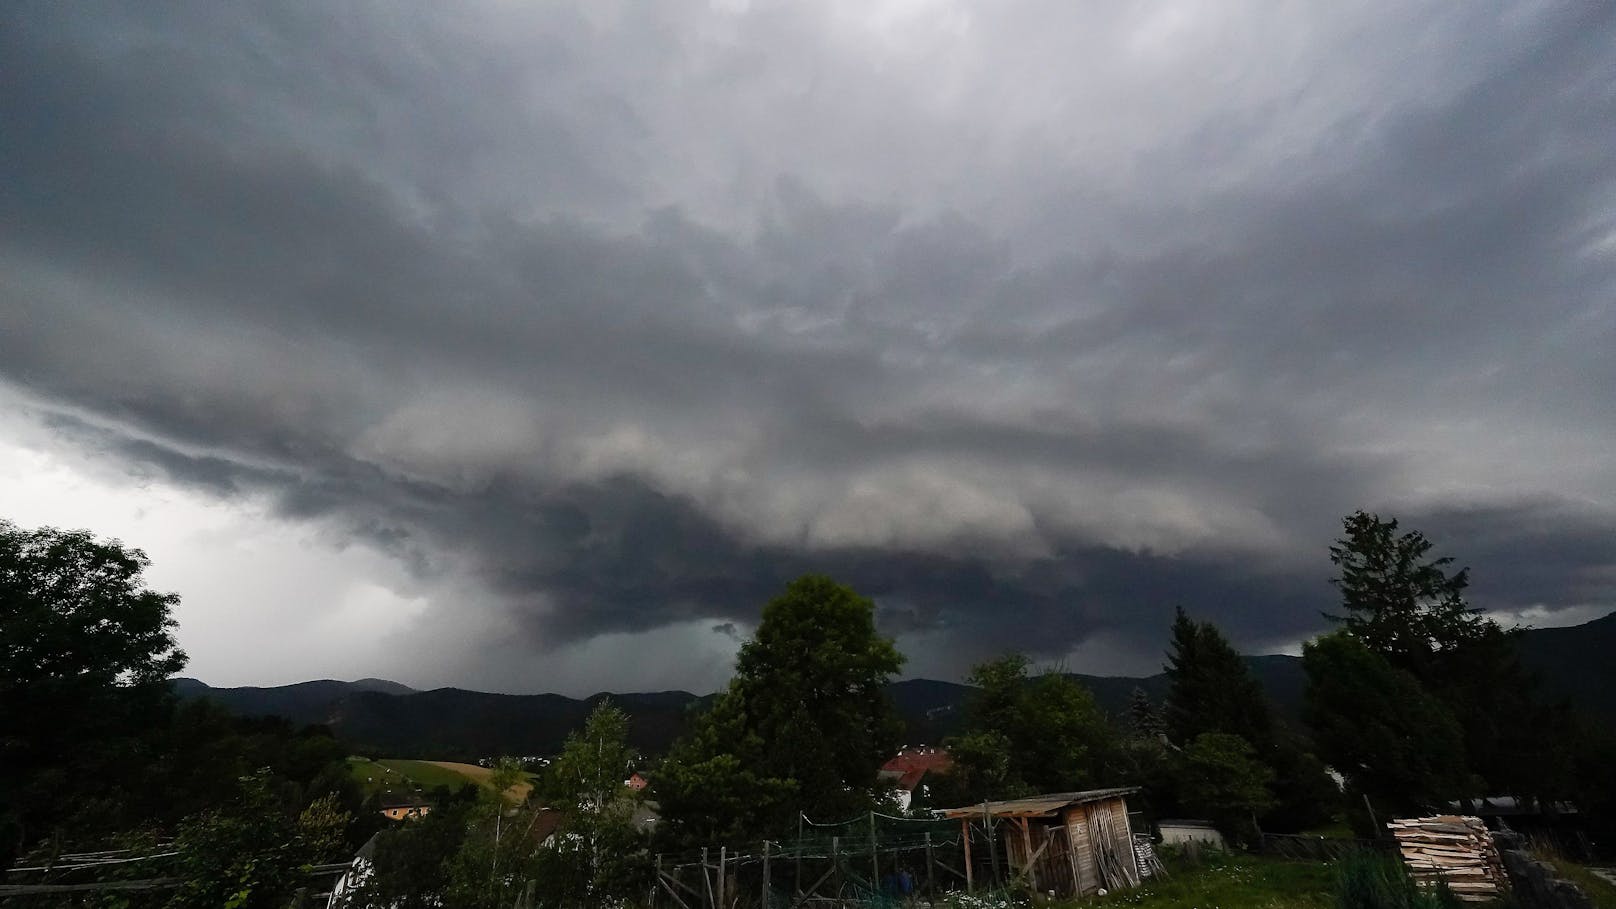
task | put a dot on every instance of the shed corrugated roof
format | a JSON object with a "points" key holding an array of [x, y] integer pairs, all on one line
{"points": [[1037, 805]]}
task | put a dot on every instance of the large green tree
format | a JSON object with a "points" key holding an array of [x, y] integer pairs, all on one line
{"points": [[1408, 606], [86, 650], [1379, 727], [1211, 690], [93, 743], [1223, 780], [804, 725], [1027, 733]]}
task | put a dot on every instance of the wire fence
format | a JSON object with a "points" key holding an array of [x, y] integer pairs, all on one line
{"points": [[1317, 848], [873, 860]]}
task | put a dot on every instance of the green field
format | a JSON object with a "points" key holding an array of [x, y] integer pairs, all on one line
{"points": [[399, 775], [404, 775]]}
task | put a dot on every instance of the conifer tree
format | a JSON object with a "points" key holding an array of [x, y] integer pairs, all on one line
{"points": [[1144, 718], [1211, 688], [1401, 602]]}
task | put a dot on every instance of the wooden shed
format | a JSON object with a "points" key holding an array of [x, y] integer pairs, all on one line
{"points": [[1072, 843]]}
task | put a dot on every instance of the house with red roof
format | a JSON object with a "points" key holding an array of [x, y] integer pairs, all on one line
{"points": [[907, 770]]}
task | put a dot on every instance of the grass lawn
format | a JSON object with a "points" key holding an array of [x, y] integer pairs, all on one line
{"points": [[1226, 881]]}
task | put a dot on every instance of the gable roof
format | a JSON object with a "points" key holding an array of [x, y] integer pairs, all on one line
{"points": [[909, 766]]}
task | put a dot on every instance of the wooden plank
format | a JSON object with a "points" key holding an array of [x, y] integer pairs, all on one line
{"points": [[804, 896], [157, 883], [1077, 829], [1071, 856], [965, 835], [1124, 832], [663, 880], [1032, 857]]}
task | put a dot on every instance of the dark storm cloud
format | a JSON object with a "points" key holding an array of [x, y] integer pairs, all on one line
{"points": [[1528, 553], [635, 317]]}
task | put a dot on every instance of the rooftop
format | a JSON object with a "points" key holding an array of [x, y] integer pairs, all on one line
{"points": [[1037, 805]]}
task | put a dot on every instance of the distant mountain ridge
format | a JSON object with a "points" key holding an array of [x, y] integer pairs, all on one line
{"points": [[1574, 663]]}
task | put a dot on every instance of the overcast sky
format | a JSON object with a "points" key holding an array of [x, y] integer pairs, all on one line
{"points": [[532, 347]]}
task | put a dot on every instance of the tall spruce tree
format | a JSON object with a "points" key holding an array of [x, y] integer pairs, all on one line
{"points": [[1144, 717], [1213, 692], [1210, 687], [1399, 600], [1408, 606]]}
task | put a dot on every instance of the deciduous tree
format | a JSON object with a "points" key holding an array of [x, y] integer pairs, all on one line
{"points": [[1028, 733], [1222, 779], [1379, 727], [86, 650], [804, 725], [597, 858]]}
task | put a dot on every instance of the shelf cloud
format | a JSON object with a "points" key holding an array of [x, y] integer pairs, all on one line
{"points": [[1031, 320]]}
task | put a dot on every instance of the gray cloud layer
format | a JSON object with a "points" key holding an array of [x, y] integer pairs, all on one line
{"points": [[1029, 321]]}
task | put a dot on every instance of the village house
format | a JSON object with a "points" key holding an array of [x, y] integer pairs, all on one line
{"points": [[908, 770], [404, 807]]}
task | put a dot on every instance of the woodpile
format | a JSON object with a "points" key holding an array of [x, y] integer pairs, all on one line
{"points": [[1144, 857], [1454, 849]]}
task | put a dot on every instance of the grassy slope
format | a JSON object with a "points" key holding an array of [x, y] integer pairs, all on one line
{"points": [[402, 775], [399, 775], [1601, 891], [483, 776]]}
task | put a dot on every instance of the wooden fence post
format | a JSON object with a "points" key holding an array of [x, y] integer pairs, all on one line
{"points": [[875, 864], [1026, 844], [836, 861], [723, 851], [765, 901], [706, 882], [928, 864]]}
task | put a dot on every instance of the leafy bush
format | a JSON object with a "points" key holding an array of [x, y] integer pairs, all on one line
{"points": [[254, 852]]}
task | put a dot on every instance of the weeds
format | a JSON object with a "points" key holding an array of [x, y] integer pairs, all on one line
{"points": [[1371, 880]]}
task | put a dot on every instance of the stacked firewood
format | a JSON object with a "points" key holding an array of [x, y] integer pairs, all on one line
{"points": [[1454, 849]]}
